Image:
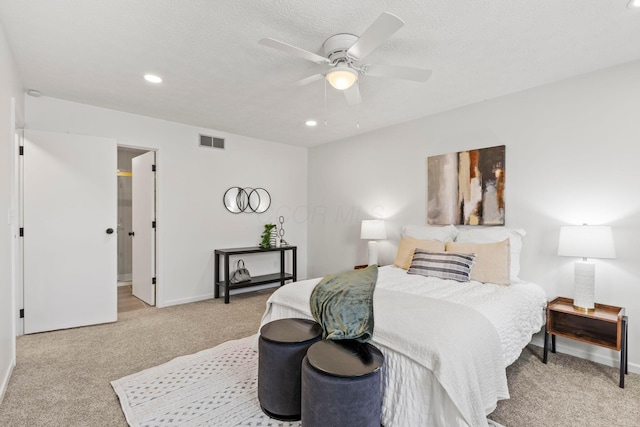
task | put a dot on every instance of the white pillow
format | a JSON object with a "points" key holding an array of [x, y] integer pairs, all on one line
{"points": [[494, 235], [445, 233]]}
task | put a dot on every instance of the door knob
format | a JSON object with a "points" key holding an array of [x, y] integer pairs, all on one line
{"points": [[132, 233], [109, 230]]}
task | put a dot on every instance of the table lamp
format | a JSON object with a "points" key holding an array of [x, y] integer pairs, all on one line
{"points": [[372, 230], [586, 241]]}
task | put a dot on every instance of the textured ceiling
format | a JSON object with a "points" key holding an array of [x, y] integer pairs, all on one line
{"points": [[216, 75]]}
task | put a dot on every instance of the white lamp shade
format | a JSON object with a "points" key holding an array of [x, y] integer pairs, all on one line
{"points": [[586, 241], [342, 78], [373, 229]]}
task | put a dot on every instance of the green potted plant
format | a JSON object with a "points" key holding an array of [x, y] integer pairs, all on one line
{"points": [[266, 236]]}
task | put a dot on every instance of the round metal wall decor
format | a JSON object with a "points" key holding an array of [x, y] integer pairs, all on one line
{"points": [[237, 200], [259, 200]]}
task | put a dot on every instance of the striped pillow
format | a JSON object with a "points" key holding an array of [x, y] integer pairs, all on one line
{"points": [[443, 265]]}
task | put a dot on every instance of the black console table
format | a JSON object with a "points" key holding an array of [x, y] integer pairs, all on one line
{"points": [[281, 277]]}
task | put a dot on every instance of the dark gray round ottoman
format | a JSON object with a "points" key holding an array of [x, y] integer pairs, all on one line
{"points": [[342, 385], [281, 347]]}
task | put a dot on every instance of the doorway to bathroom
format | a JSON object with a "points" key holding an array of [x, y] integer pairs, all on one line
{"points": [[136, 229]]}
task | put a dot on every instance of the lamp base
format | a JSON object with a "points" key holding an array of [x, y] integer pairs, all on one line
{"points": [[585, 288], [373, 252], [583, 309]]}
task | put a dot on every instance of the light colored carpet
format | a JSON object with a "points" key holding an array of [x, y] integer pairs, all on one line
{"points": [[567, 392], [63, 378]]}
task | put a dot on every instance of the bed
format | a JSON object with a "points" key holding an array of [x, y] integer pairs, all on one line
{"points": [[446, 343]]}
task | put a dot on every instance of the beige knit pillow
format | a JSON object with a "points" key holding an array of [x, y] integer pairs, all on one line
{"points": [[409, 244], [492, 260]]}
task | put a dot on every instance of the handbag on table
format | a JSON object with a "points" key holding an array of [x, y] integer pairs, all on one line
{"points": [[240, 274]]}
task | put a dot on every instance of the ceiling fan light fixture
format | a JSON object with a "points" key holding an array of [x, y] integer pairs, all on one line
{"points": [[342, 77]]}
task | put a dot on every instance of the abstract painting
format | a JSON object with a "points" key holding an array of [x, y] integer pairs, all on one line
{"points": [[466, 187]]}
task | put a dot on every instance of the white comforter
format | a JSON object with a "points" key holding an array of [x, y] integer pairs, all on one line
{"points": [[446, 344]]}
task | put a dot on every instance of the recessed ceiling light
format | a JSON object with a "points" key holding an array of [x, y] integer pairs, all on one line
{"points": [[311, 123], [152, 78], [633, 4]]}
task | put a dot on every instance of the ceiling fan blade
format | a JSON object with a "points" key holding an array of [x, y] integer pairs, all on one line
{"points": [[376, 34], [398, 72], [309, 79], [352, 95], [295, 51]]}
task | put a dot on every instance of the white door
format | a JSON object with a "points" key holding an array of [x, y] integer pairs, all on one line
{"points": [[143, 190], [70, 201]]}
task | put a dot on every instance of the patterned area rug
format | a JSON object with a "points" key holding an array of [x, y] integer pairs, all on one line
{"points": [[215, 387]]}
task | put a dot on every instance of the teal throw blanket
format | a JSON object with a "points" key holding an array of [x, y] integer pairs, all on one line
{"points": [[343, 304]]}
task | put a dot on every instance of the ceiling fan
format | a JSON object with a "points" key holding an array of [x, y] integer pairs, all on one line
{"points": [[343, 63]]}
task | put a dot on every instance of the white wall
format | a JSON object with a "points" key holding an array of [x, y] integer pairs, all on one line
{"points": [[572, 153], [192, 220], [11, 115]]}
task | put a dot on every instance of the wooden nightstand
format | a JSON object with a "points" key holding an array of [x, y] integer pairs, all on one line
{"points": [[606, 326]]}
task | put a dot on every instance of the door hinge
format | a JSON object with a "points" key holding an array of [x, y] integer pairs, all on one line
{"points": [[153, 280], [22, 150], [153, 224], [153, 168], [22, 313], [21, 231]]}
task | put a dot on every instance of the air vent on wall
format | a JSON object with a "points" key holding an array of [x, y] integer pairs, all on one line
{"points": [[211, 141]]}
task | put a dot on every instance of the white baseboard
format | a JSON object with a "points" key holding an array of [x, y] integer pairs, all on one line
{"points": [[184, 300], [210, 296], [5, 381], [566, 348]]}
